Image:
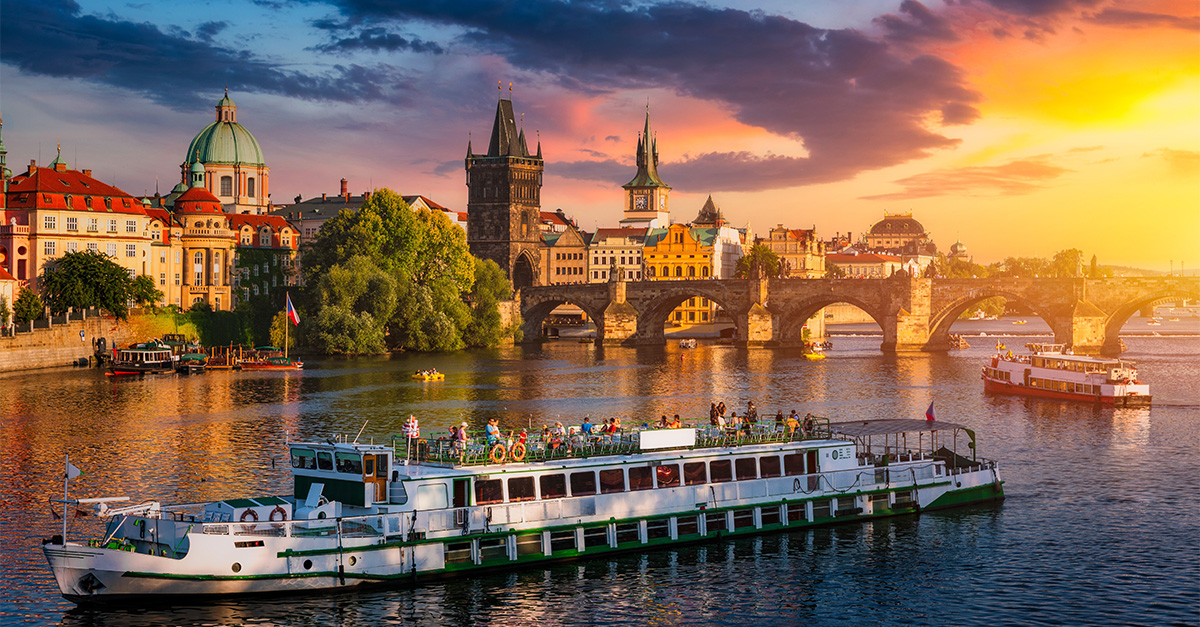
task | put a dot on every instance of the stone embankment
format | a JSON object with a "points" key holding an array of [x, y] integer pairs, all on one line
{"points": [[59, 341]]}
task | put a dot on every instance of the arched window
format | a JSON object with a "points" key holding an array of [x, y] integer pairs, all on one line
{"points": [[264, 238], [198, 268], [691, 272], [679, 271], [226, 185], [704, 272], [250, 186]]}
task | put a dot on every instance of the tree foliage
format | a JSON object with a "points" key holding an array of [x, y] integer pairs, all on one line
{"points": [[27, 307], [760, 262], [5, 314], [491, 287], [143, 292], [87, 279], [281, 335]]}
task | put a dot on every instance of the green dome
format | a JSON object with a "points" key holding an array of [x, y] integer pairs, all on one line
{"points": [[225, 143]]}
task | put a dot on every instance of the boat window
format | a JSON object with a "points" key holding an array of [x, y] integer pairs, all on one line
{"points": [[846, 504], [720, 471], [304, 458], [432, 496], [529, 544], [488, 491], [381, 466], [695, 473], [583, 483], [594, 537], [793, 464], [769, 515], [821, 509], [746, 468], [686, 526], [629, 533], [369, 466], [553, 486], [612, 480], [668, 475], [659, 529], [520, 489], [769, 466], [562, 540], [324, 461], [714, 522], [640, 478], [349, 463]]}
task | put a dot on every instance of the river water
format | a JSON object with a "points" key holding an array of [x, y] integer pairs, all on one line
{"points": [[1099, 527]]}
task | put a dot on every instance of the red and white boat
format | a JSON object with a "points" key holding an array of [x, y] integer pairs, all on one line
{"points": [[1051, 372]]}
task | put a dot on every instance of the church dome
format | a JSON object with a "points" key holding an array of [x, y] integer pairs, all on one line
{"points": [[958, 248], [902, 224], [225, 141]]}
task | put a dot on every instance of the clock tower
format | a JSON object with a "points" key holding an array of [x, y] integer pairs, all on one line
{"points": [[646, 202]]}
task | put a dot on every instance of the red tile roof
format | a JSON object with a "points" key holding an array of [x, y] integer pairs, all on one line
{"points": [[432, 205], [864, 258], [198, 200], [5, 276], [239, 221], [48, 188], [621, 232]]}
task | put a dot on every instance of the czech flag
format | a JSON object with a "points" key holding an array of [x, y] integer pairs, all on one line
{"points": [[292, 314], [929, 412]]}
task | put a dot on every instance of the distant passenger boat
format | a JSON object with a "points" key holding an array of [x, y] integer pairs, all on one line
{"points": [[1049, 373], [359, 515], [270, 358], [1018, 322]]}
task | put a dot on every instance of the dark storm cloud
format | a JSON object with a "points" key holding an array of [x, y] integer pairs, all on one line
{"points": [[373, 39], [917, 24], [1141, 19], [53, 38], [206, 31], [1042, 8], [855, 102]]}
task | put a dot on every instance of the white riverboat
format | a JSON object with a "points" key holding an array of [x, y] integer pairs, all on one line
{"points": [[1050, 372], [361, 514]]}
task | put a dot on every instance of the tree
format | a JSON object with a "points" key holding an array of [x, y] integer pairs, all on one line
{"points": [[5, 314], [1067, 263], [833, 271], [27, 307], [87, 279], [760, 262], [143, 291], [491, 287], [356, 297], [281, 335]]}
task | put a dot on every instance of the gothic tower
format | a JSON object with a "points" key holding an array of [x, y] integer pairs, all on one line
{"points": [[504, 200], [646, 203]]}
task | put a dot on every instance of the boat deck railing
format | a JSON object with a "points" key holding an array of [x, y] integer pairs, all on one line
{"points": [[479, 452]]}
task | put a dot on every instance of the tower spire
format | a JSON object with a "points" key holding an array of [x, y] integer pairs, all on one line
{"points": [[647, 158]]}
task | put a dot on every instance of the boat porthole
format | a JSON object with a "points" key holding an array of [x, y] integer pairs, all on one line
{"points": [[353, 560], [237, 568], [321, 515], [307, 564]]}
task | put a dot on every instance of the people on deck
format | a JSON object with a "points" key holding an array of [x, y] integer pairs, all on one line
{"points": [[586, 427], [676, 423], [751, 413], [808, 424], [493, 431], [793, 423], [779, 419]]}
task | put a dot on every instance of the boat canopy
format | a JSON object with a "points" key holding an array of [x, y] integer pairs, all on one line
{"points": [[861, 428]]}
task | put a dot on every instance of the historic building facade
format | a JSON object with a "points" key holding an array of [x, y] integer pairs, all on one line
{"points": [[680, 252], [895, 231], [647, 203], [566, 257], [504, 201], [801, 250], [234, 168], [619, 251]]}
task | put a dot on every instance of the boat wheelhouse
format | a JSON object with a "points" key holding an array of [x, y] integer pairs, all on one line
{"points": [[1051, 372], [364, 514]]}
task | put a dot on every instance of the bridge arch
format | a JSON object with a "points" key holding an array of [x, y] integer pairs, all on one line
{"points": [[534, 313], [941, 321], [792, 317], [1117, 320], [654, 312]]}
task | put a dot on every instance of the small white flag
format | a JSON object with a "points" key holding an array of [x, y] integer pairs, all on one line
{"points": [[72, 471]]}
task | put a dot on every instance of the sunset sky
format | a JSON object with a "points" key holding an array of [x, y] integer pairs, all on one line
{"points": [[1020, 127]]}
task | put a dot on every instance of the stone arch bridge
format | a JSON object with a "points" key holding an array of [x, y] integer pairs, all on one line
{"points": [[914, 313]]}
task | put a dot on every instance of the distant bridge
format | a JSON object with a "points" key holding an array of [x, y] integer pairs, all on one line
{"points": [[914, 313]]}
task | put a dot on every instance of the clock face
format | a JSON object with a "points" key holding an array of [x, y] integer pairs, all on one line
{"points": [[640, 202], [662, 201]]}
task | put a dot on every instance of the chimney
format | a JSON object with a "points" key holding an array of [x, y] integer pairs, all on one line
{"points": [[323, 197], [366, 196], [87, 172], [345, 186], [32, 166], [297, 198]]}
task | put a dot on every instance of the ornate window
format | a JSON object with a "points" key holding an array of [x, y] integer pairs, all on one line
{"points": [[250, 186], [226, 185]]}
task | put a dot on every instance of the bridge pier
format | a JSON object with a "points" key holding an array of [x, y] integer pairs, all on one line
{"points": [[906, 327], [619, 321], [1083, 329]]}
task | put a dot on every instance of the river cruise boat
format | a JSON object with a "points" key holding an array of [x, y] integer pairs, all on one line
{"points": [[411, 510], [149, 358], [1050, 372]]}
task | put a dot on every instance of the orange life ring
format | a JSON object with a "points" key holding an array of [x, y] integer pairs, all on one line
{"points": [[249, 514], [497, 454], [278, 510], [518, 452]]}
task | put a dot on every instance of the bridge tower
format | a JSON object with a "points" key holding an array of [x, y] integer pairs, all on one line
{"points": [[646, 202], [504, 188]]}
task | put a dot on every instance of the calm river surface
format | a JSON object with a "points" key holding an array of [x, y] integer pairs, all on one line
{"points": [[1099, 528]]}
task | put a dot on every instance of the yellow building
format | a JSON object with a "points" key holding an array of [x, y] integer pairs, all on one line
{"points": [[682, 252], [801, 249]]}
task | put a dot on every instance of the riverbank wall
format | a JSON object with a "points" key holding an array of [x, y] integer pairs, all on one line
{"points": [[59, 342]]}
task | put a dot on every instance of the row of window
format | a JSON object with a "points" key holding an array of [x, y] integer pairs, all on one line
{"points": [[568, 256], [1063, 386], [50, 223], [562, 270], [50, 248], [615, 480], [605, 261], [996, 373], [227, 186], [636, 275], [678, 271]]}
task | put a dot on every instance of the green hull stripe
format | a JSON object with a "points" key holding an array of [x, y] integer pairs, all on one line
{"points": [[989, 492]]}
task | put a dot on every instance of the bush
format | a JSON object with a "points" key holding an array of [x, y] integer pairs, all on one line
{"points": [[28, 306]]}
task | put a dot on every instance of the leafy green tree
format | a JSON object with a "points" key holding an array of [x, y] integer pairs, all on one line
{"points": [[339, 331], [5, 314], [86, 279], [429, 317], [491, 287], [281, 334], [143, 292], [1067, 263], [833, 271], [760, 262], [27, 307], [347, 298]]}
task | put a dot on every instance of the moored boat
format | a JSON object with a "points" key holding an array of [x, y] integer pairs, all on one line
{"points": [[270, 358], [148, 358], [1049, 372], [429, 375], [361, 514]]}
